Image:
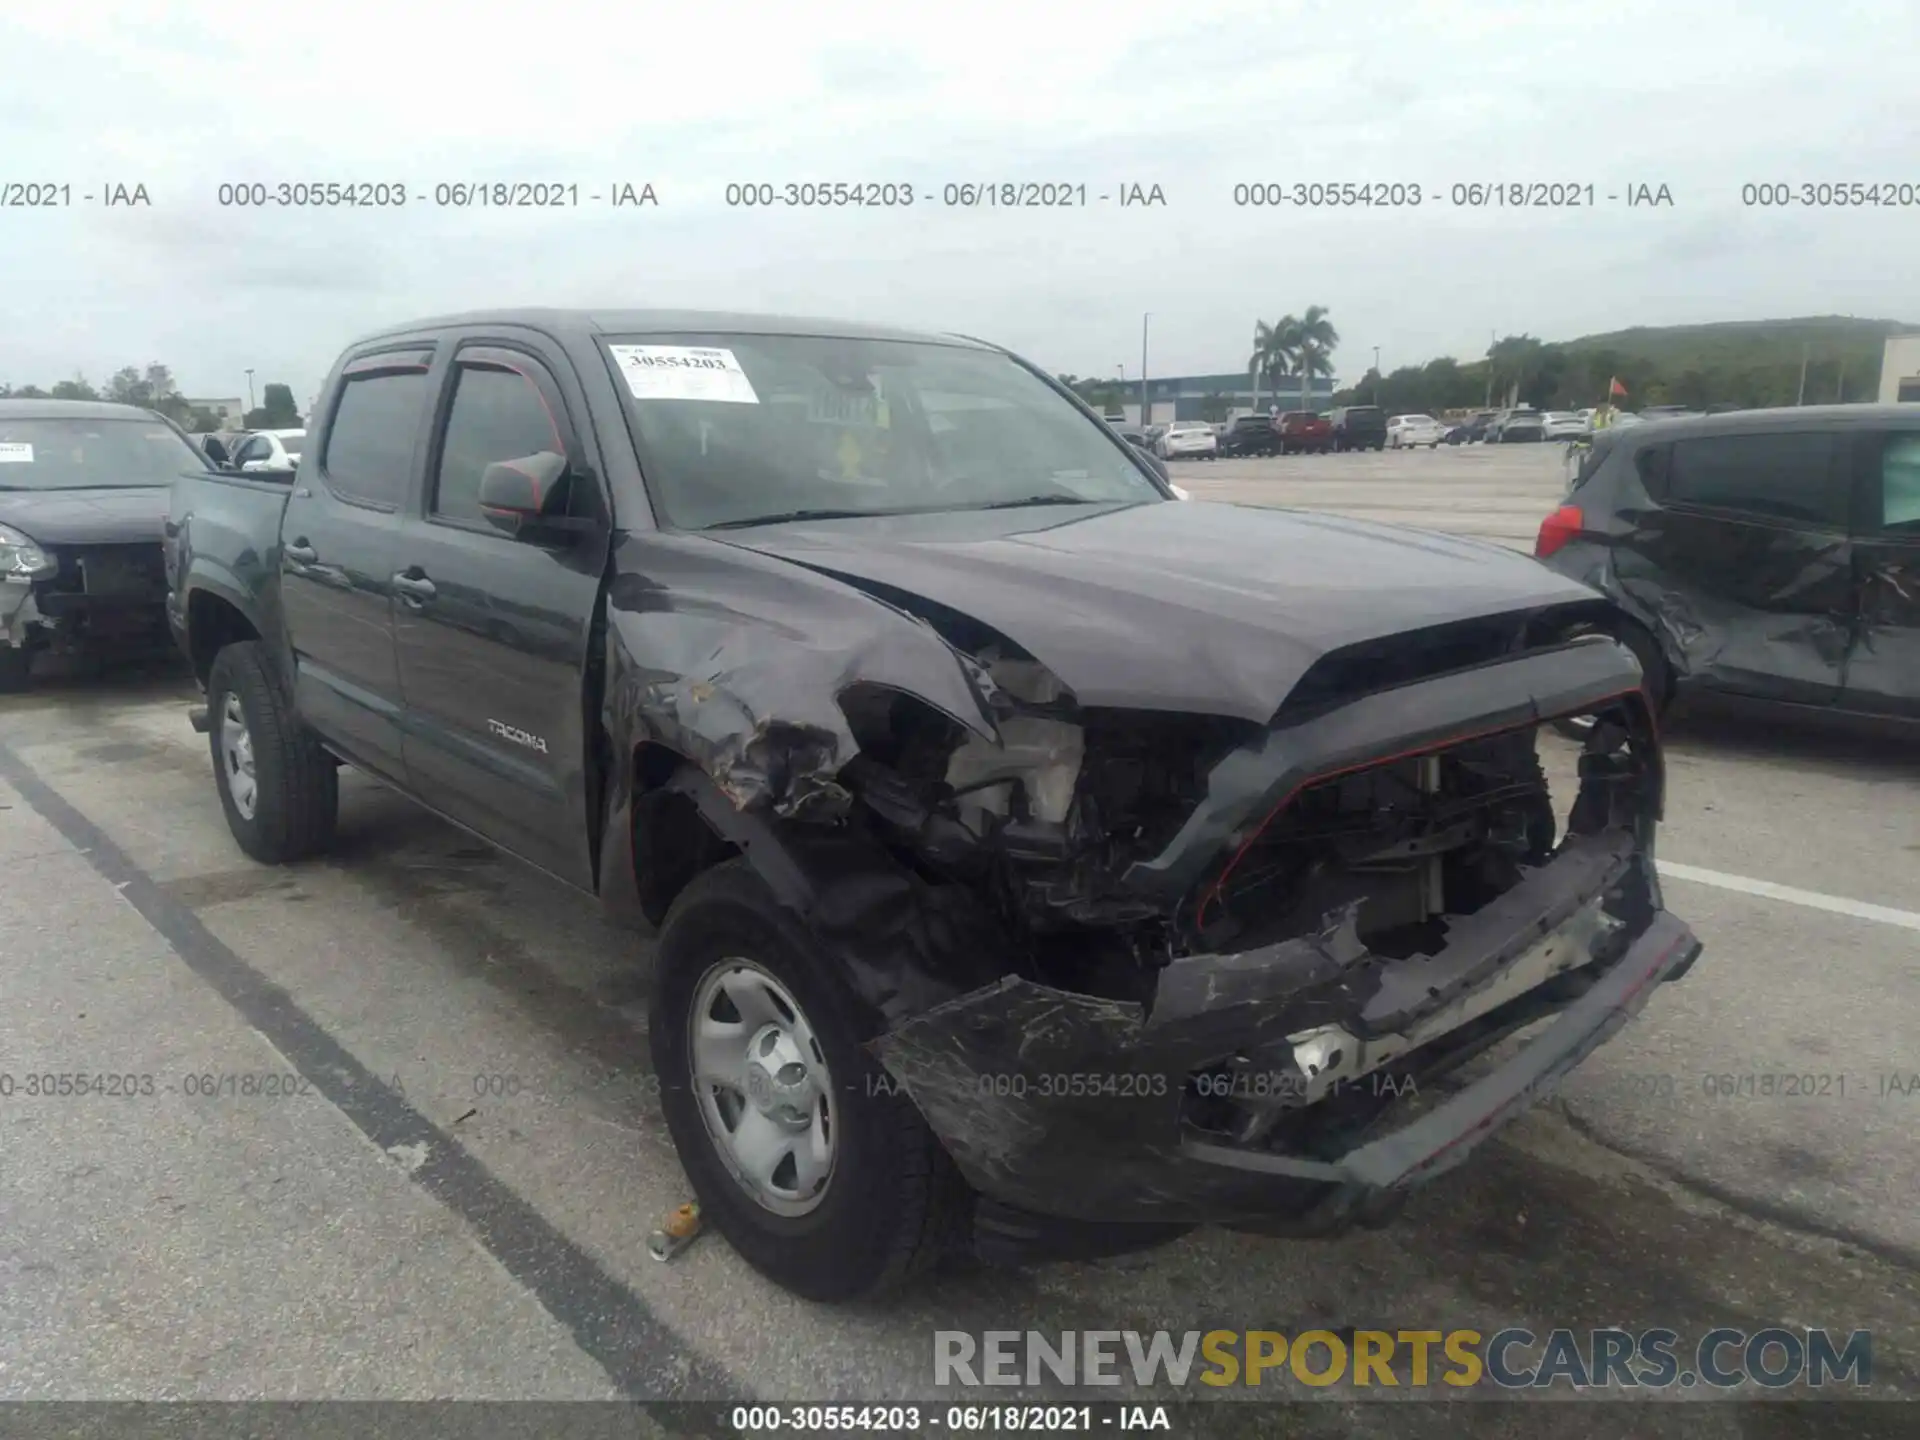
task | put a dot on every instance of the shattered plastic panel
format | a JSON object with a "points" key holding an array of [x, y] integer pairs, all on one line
{"points": [[1246, 786], [992, 1070]]}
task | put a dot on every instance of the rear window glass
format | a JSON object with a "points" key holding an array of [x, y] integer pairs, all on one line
{"points": [[370, 444], [1364, 413], [1778, 476]]}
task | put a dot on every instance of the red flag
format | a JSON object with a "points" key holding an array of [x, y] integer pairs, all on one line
{"points": [[1614, 387]]}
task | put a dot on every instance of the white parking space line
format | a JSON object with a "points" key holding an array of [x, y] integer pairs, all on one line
{"points": [[1811, 899]]}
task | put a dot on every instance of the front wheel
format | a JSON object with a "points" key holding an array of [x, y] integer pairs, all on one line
{"points": [[279, 789], [818, 1170]]}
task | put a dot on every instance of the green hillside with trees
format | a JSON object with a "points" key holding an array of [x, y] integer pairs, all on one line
{"points": [[1743, 362]]}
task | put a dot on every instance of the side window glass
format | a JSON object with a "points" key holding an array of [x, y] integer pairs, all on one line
{"points": [[496, 415], [1778, 476], [370, 443], [254, 449], [1652, 465], [1900, 484]]}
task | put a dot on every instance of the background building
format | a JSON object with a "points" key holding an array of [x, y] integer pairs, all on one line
{"points": [[1218, 397], [1900, 370]]}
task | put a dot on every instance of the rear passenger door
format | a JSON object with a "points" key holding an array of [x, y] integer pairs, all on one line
{"points": [[493, 632], [1883, 668], [336, 557], [1754, 561]]}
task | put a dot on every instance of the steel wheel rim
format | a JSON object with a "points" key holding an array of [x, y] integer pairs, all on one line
{"points": [[763, 1088], [236, 756]]}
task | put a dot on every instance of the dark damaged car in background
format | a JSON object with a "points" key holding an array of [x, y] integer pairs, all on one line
{"points": [[83, 494], [1761, 557], [1041, 866]]}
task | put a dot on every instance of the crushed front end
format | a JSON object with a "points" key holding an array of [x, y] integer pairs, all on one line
{"points": [[1215, 973], [94, 598]]}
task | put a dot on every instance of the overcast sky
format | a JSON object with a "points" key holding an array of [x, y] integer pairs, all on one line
{"points": [[1698, 95]]}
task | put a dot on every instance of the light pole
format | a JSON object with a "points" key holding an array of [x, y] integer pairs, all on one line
{"points": [[1376, 374], [249, 395], [1146, 405]]}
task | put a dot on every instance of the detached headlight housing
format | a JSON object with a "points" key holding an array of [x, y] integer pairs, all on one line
{"points": [[22, 561]]}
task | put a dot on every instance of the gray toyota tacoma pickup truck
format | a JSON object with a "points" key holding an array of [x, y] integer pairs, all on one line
{"points": [[1040, 866]]}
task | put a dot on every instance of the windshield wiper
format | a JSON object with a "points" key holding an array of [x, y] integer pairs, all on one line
{"points": [[788, 516], [1055, 499]]}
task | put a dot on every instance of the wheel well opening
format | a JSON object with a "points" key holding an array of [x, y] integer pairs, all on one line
{"points": [[212, 625], [672, 844]]}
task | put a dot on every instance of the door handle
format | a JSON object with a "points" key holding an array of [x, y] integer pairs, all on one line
{"points": [[416, 589], [300, 552]]}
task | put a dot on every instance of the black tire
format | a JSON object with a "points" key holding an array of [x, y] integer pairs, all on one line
{"points": [[895, 1203], [297, 787], [1653, 665], [16, 669]]}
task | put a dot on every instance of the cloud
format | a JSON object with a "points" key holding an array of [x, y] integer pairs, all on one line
{"points": [[1196, 98]]}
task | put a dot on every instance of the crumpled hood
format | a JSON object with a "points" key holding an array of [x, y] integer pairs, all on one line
{"points": [[86, 517], [1204, 608]]}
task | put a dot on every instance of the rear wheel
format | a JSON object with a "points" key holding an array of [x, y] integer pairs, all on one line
{"points": [[279, 789], [811, 1162]]}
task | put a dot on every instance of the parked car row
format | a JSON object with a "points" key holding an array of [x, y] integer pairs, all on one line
{"points": [[1294, 432]]}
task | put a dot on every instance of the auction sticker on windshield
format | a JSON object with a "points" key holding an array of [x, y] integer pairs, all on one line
{"points": [[683, 372], [15, 452]]}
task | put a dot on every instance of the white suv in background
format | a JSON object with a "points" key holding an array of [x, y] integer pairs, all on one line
{"points": [[270, 450], [1406, 431], [1187, 440]]}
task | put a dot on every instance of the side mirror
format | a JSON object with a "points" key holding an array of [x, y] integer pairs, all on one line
{"points": [[515, 494]]}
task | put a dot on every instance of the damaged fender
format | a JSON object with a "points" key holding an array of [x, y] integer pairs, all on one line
{"points": [[739, 670]]}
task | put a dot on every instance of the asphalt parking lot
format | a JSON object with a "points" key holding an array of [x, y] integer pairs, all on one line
{"points": [[455, 1198]]}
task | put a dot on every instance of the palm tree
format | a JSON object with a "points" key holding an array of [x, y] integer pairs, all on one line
{"points": [[1273, 350], [1516, 360], [1313, 342]]}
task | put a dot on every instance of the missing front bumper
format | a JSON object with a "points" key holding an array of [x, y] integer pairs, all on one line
{"points": [[1069, 1105]]}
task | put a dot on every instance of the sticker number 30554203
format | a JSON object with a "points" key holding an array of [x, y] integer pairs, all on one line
{"points": [[683, 372]]}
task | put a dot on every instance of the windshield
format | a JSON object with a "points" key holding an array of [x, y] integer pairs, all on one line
{"points": [[734, 428], [72, 454]]}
